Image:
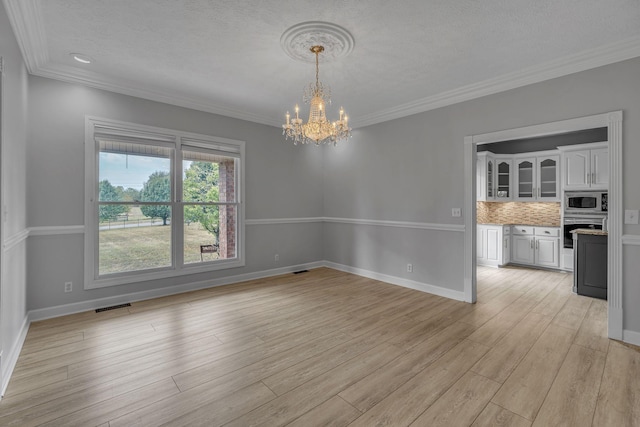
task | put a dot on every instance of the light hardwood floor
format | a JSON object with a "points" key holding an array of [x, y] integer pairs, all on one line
{"points": [[327, 348]]}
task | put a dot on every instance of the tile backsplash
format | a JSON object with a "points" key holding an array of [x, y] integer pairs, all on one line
{"points": [[519, 213]]}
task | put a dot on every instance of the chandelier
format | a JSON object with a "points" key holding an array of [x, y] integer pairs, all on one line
{"points": [[318, 129]]}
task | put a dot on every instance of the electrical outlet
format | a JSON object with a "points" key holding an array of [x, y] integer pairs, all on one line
{"points": [[277, 257], [456, 212], [409, 268], [631, 216], [68, 286]]}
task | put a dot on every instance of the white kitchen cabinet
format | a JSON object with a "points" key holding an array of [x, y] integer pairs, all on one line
{"points": [[537, 177], [539, 246], [493, 245], [503, 179], [547, 245], [485, 175], [522, 249], [600, 168], [585, 166]]}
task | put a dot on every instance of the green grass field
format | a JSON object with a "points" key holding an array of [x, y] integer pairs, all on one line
{"points": [[139, 248]]}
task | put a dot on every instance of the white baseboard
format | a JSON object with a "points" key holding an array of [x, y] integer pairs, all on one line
{"points": [[615, 323], [12, 356], [631, 337], [424, 287], [63, 310]]}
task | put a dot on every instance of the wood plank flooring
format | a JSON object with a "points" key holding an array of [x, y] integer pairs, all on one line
{"points": [[327, 348]]}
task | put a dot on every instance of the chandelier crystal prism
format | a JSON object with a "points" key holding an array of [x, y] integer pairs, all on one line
{"points": [[318, 130]]}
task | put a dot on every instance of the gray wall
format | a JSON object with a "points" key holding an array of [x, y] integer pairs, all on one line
{"points": [[13, 306], [281, 182], [412, 169], [409, 169]]}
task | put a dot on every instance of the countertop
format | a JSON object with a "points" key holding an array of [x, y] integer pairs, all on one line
{"points": [[589, 231], [518, 223]]}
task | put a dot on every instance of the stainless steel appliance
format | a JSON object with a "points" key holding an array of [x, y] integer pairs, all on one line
{"points": [[581, 202], [572, 222]]}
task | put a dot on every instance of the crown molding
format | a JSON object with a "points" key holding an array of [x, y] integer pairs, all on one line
{"points": [[70, 74], [26, 22], [25, 18], [593, 58]]}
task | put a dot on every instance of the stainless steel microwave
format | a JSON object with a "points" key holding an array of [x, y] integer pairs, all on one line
{"points": [[586, 202]]}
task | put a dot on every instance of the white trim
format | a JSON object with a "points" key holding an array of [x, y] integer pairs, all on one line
{"points": [[613, 121], [631, 337], [544, 129], [26, 22], [73, 75], [63, 310], [631, 240], [16, 239], [398, 224], [96, 125], [588, 146], [470, 225], [399, 281], [78, 307], [593, 58], [614, 254], [270, 221], [56, 230], [12, 355], [24, 16]]}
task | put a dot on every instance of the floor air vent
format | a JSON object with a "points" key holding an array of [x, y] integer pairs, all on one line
{"points": [[301, 271], [113, 307]]}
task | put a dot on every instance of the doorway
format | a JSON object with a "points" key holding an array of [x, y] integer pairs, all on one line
{"points": [[613, 122]]}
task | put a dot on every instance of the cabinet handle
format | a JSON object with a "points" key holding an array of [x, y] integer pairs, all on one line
{"points": [[593, 177], [538, 192], [532, 244], [537, 244], [505, 243]]}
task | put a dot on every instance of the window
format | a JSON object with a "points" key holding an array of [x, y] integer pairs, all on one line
{"points": [[160, 203]]}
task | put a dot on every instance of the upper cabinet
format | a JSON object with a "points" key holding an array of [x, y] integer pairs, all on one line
{"points": [[504, 187], [537, 177], [485, 177], [585, 166], [494, 177]]}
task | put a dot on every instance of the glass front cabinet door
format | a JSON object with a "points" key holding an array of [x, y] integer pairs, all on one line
{"points": [[548, 178], [525, 178], [503, 188], [490, 178]]}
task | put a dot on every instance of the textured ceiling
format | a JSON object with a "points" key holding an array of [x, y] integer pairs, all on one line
{"points": [[412, 55]]}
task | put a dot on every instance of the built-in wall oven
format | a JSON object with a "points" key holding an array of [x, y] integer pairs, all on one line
{"points": [[572, 222]]}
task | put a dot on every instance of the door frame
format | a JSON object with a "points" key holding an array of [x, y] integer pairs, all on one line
{"points": [[613, 122]]}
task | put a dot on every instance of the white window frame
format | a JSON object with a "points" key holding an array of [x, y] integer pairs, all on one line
{"points": [[168, 138]]}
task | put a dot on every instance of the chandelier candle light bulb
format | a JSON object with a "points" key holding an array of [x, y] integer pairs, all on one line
{"points": [[318, 129]]}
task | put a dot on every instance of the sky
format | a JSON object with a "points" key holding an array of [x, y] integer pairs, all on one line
{"points": [[131, 171]]}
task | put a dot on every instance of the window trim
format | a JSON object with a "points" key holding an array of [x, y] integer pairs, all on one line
{"points": [[95, 126]]}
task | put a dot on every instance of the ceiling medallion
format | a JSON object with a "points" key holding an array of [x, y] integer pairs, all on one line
{"points": [[297, 41]]}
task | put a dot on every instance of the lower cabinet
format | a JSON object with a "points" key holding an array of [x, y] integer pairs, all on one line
{"points": [[493, 245], [538, 246]]}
